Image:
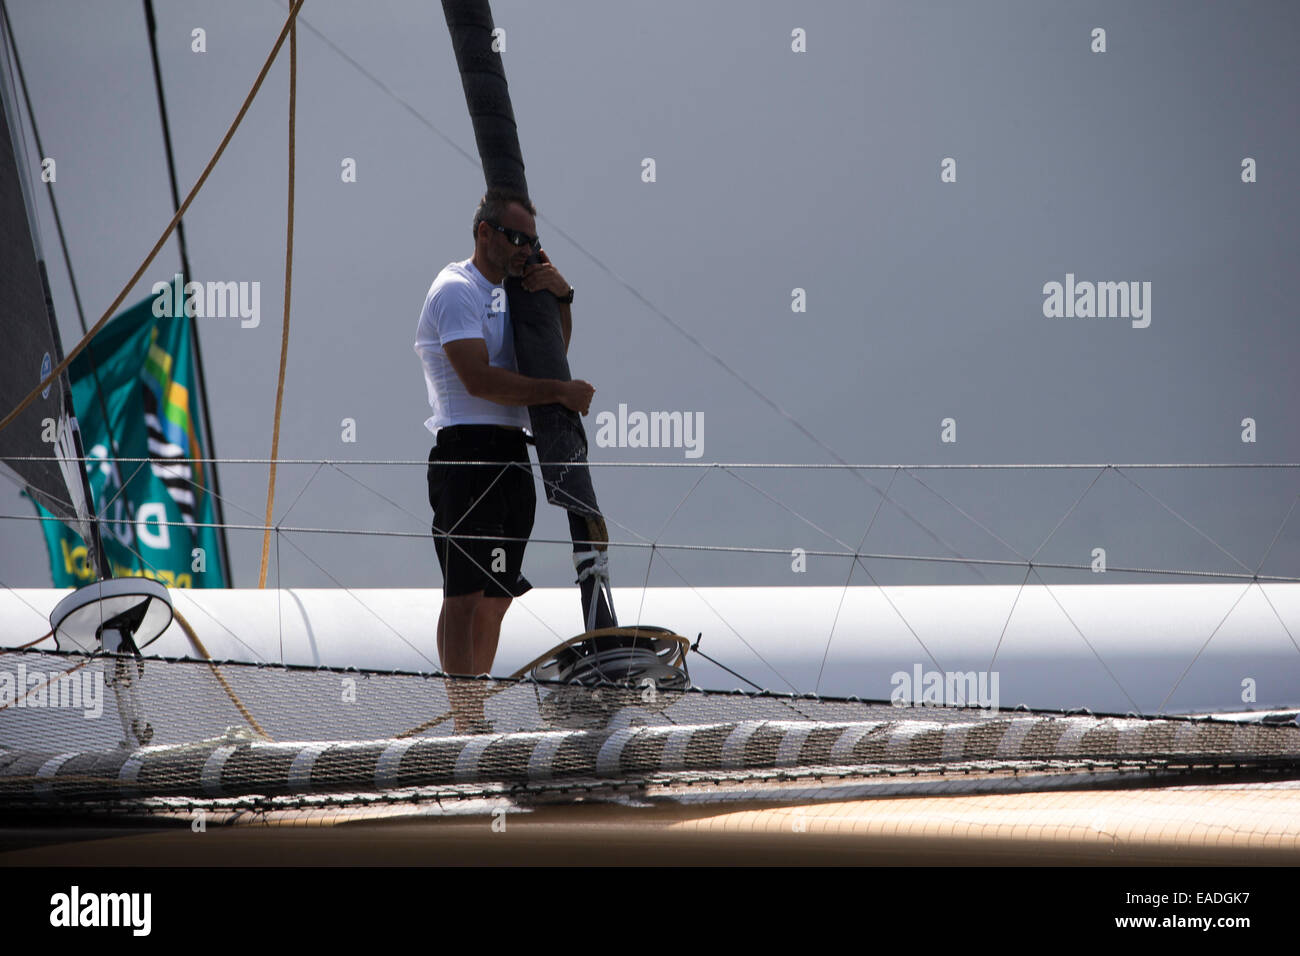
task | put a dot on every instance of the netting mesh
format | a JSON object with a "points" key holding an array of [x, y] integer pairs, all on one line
{"points": [[238, 729]]}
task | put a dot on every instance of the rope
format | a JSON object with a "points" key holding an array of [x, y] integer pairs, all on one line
{"points": [[696, 648], [22, 647], [162, 240], [288, 284], [51, 679], [216, 672]]}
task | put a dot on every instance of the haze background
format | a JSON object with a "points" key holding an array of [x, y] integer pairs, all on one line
{"points": [[776, 170]]}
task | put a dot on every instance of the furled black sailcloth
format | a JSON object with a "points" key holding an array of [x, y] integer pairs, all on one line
{"points": [[539, 343], [47, 428]]}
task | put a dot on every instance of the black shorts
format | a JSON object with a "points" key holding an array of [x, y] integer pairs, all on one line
{"points": [[492, 505]]}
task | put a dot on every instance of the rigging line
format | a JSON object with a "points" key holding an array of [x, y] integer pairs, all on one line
{"points": [[220, 522], [968, 517], [418, 518], [646, 584], [378, 494], [1240, 563], [791, 465], [537, 477], [1010, 614], [288, 291], [554, 486], [1029, 562], [62, 366], [200, 368], [1269, 551], [1197, 656], [847, 581], [703, 474], [279, 595], [453, 540], [1088, 643], [474, 160], [1277, 615], [182, 524], [45, 618], [1065, 517], [145, 563], [857, 557], [727, 669], [375, 614], [737, 549], [280, 589], [23, 490], [151, 25], [225, 499], [474, 503], [121, 488], [845, 545], [301, 491], [561, 492], [777, 501], [1277, 533], [477, 164], [884, 594], [752, 388], [727, 624]]}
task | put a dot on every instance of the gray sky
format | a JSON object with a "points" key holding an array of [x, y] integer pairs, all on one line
{"points": [[776, 170]]}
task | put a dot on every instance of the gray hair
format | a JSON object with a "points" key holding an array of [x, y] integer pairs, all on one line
{"points": [[494, 203]]}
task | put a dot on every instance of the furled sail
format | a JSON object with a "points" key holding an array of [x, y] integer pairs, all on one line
{"points": [[47, 428], [539, 345]]}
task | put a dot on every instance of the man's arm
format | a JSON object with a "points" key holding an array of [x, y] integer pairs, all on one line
{"points": [[469, 357]]}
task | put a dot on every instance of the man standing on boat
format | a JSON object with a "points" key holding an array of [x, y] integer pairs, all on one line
{"points": [[483, 515]]}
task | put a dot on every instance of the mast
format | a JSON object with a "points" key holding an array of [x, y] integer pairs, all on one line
{"points": [[199, 371]]}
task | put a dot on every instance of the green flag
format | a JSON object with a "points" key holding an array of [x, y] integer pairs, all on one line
{"points": [[154, 512]]}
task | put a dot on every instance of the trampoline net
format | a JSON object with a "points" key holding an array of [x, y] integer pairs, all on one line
{"points": [[219, 730]]}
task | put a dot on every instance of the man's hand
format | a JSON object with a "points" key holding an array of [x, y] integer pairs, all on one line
{"points": [[469, 357], [543, 275], [576, 395]]}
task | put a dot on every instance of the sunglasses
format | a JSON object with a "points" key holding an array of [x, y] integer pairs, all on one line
{"points": [[515, 237]]}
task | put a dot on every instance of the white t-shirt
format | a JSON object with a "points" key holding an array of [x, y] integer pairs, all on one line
{"points": [[459, 306]]}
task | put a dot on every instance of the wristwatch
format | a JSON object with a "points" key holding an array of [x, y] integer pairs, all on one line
{"points": [[566, 299]]}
